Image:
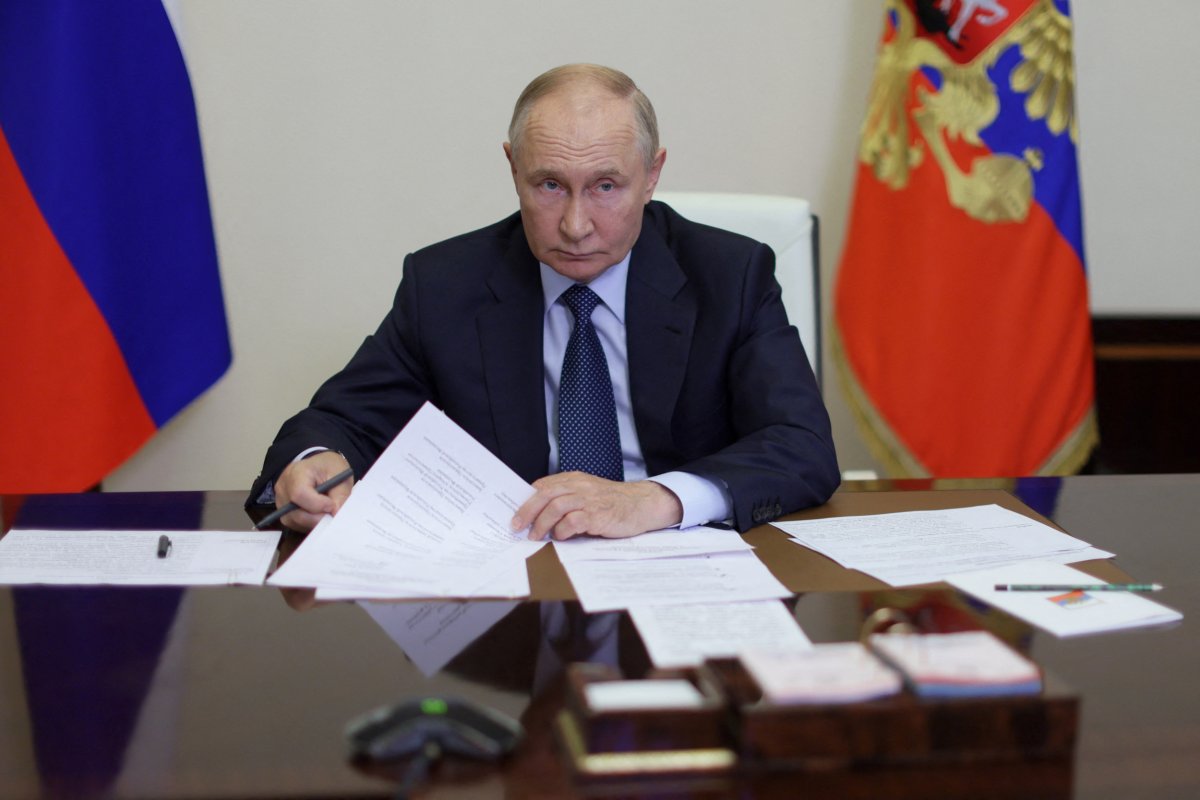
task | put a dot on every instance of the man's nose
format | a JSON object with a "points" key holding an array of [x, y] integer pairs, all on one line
{"points": [[576, 222]]}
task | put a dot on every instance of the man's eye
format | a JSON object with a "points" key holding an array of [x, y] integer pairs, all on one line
{"points": [[550, 186], [606, 186]]}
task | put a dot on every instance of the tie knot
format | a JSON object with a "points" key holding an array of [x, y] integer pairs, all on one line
{"points": [[581, 300]]}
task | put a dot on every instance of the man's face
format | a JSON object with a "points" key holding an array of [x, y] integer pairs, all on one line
{"points": [[582, 181]]}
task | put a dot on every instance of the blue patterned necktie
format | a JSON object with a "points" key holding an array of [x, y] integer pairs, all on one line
{"points": [[588, 439]]}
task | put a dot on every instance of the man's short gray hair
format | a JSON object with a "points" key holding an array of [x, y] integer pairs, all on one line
{"points": [[614, 81]]}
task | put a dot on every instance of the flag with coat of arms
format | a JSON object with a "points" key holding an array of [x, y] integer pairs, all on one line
{"points": [[961, 325]]}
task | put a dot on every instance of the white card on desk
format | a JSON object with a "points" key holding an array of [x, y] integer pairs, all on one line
{"points": [[647, 694]]}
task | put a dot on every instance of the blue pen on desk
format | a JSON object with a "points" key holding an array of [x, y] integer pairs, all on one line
{"points": [[164, 545], [322, 488]]}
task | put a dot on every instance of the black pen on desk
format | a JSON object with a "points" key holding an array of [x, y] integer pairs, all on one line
{"points": [[164, 545], [1079, 587], [322, 488]]}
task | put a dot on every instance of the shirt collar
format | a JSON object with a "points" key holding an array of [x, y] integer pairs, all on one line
{"points": [[610, 285]]}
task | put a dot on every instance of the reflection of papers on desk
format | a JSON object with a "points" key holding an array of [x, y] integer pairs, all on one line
{"points": [[1063, 613], [912, 547], [431, 634], [196, 558], [685, 635], [838, 672], [615, 585], [430, 519]]}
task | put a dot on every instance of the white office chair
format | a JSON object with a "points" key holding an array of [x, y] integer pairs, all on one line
{"points": [[789, 227]]}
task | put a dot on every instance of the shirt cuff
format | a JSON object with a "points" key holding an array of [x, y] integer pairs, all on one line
{"points": [[703, 500], [267, 498]]}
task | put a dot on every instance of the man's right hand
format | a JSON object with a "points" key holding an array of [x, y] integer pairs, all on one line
{"points": [[298, 484]]}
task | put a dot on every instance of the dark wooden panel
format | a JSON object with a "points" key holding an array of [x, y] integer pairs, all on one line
{"points": [[1147, 394]]}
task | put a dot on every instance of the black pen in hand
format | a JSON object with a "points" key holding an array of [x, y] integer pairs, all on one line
{"points": [[322, 488]]}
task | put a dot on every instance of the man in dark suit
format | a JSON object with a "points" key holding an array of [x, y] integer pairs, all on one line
{"points": [[718, 413]]}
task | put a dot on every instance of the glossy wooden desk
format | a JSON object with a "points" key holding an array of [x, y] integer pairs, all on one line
{"points": [[223, 693]]}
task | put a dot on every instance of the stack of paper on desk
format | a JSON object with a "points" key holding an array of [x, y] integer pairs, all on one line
{"points": [[666, 567], [912, 547], [1063, 613], [430, 519], [512, 583], [668, 580]]}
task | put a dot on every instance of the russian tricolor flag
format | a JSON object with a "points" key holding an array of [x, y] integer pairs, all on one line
{"points": [[111, 314]]}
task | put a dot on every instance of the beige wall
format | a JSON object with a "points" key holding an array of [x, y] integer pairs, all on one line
{"points": [[341, 135]]}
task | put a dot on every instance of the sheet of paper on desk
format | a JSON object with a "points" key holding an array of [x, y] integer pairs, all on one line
{"points": [[616, 585], [196, 558], [668, 543], [951, 563], [1063, 613], [911, 547], [511, 584], [430, 519], [685, 635]]}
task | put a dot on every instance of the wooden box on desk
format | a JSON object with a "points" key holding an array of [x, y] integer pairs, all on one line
{"points": [[897, 730], [640, 741]]}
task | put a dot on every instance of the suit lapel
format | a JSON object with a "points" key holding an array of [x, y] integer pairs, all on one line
{"points": [[659, 320], [510, 337]]}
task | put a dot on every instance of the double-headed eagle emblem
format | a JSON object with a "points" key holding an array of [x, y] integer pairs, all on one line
{"points": [[992, 188]]}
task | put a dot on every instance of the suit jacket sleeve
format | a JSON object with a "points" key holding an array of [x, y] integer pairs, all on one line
{"points": [[745, 409], [782, 458], [360, 409]]}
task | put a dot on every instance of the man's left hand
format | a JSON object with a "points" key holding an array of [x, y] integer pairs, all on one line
{"points": [[572, 503]]}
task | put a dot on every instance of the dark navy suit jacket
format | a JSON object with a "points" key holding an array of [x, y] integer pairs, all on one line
{"points": [[719, 381]]}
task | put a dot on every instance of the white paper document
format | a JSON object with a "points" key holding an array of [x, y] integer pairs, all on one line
{"points": [[912, 547], [685, 635], [667, 543], [615, 585], [195, 558], [1063, 613], [433, 633], [430, 519], [511, 584]]}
